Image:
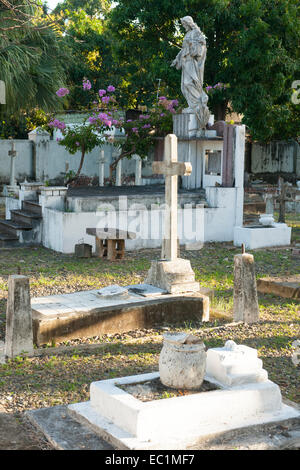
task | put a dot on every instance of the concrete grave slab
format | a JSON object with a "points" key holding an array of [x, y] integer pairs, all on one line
{"points": [[179, 422], [288, 287], [86, 314], [66, 433]]}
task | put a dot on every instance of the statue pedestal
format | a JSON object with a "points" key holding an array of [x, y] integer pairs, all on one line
{"points": [[186, 125], [174, 276]]}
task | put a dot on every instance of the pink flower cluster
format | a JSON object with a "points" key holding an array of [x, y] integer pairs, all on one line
{"points": [[102, 93], [103, 118], [62, 92], [217, 86], [57, 124], [86, 84]]}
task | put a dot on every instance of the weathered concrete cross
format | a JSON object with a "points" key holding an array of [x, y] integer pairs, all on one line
{"points": [[12, 154], [171, 168]]}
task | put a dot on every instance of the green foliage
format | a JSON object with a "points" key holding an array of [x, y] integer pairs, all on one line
{"points": [[88, 42], [18, 125], [31, 57]]}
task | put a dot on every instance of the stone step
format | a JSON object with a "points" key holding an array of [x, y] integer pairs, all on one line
{"points": [[8, 240], [24, 216], [32, 206], [11, 227]]}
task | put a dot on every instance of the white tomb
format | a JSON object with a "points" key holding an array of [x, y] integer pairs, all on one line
{"points": [[245, 397]]}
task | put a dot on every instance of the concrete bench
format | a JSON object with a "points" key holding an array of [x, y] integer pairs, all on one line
{"points": [[110, 242]]}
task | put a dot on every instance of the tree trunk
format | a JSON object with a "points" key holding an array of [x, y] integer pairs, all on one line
{"points": [[79, 168], [113, 165]]}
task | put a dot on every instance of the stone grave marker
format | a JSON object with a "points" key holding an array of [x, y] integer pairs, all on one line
{"points": [[245, 301], [19, 334]]}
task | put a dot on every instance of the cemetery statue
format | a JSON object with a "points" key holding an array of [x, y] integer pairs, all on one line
{"points": [[191, 61]]}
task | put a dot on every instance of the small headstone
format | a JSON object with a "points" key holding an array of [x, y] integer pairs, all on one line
{"points": [[245, 301], [19, 334], [235, 365], [83, 250]]}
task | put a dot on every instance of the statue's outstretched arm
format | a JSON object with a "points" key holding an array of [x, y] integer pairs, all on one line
{"points": [[177, 61]]}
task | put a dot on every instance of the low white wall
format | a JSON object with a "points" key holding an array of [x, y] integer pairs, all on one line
{"points": [[63, 230], [275, 157], [46, 161]]}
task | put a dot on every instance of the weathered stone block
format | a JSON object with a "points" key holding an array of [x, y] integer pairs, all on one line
{"points": [[83, 250], [245, 302], [19, 335], [173, 276]]}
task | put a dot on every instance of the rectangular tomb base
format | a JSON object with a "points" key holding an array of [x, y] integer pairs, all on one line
{"points": [[262, 237], [176, 423], [87, 314], [288, 287]]}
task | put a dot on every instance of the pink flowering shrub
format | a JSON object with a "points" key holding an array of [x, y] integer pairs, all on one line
{"points": [[95, 131]]}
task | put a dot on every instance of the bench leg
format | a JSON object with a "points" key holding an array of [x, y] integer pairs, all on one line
{"points": [[101, 248], [120, 248], [111, 250]]}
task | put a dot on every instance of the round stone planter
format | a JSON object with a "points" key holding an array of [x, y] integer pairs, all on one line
{"points": [[182, 361], [266, 219]]}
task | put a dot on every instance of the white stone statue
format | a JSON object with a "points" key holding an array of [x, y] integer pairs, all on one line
{"points": [[191, 60]]}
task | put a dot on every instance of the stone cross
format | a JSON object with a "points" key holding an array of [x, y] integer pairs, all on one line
{"points": [[12, 153], [282, 200], [101, 169], [171, 168]]}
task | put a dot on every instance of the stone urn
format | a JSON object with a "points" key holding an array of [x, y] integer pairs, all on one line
{"points": [[266, 219], [182, 361]]}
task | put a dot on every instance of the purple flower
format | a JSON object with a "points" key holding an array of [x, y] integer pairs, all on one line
{"points": [[111, 88], [92, 119], [58, 139], [208, 88], [86, 84], [115, 122], [77, 143], [103, 116], [146, 126], [162, 98], [102, 92], [162, 114], [62, 92], [58, 124], [129, 120], [105, 99], [135, 129], [175, 102], [142, 116]]}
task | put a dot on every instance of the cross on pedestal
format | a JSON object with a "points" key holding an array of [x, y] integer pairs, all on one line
{"points": [[172, 274], [282, 200], [171, 168]]}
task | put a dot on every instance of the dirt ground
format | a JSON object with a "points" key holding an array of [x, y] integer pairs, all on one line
{"points": [[17, 434]]}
